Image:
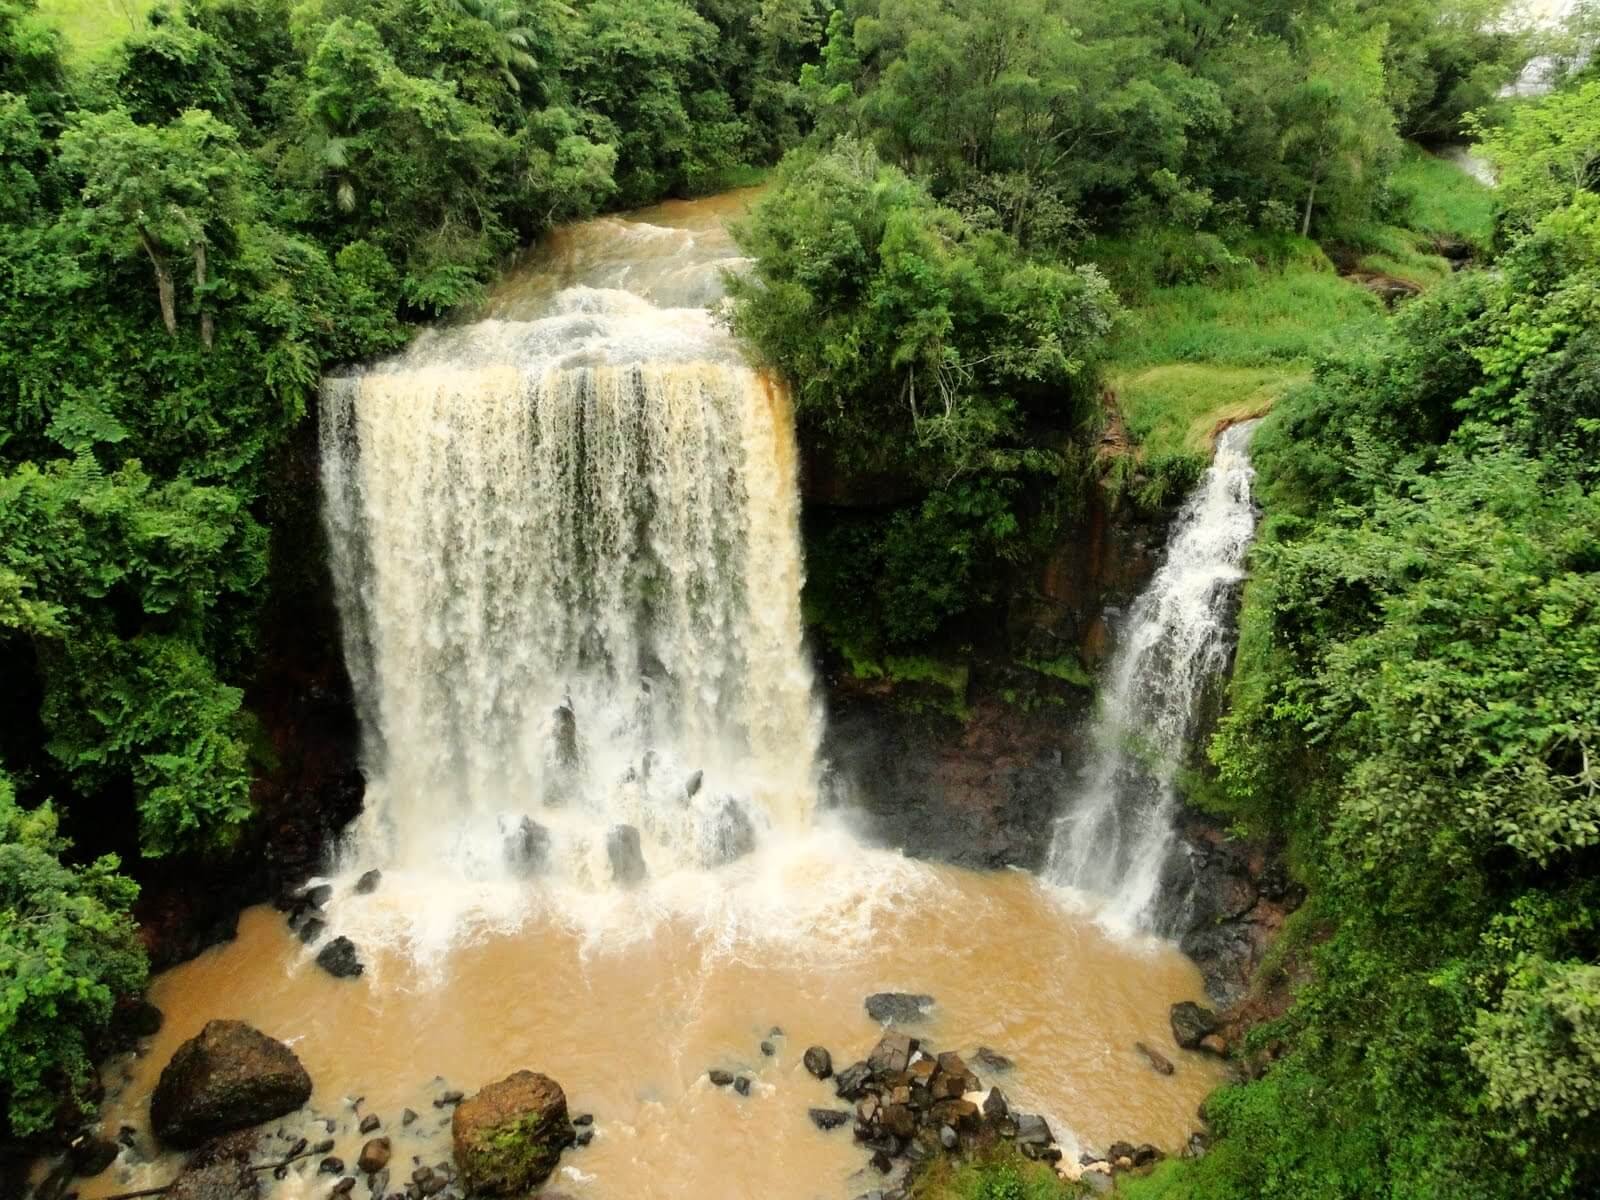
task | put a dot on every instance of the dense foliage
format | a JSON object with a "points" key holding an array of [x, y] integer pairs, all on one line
{"points": [[1416, 703]]}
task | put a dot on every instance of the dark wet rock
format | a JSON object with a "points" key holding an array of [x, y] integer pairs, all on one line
{"points": [[230, 1076], [1120, 1150], [344, 1187], [339, 959], [564, 735], [583, 1119], [332, 1165], [374, 1155], [1146, 1154], [134, 1018], [453, 1096], [583, 1137], [961, 1115], [625, 855], [991, 1060], [742, 1085], [369, 1123], [818, 1061], [422, 1175], [691, 786], [323, 1147], [1191, 1023], [311, 929], [720, 1077], [828, 1118], [1038, 1153], [407, 1117], [730, 834], [891, 1054], [315, 897], [898, 1007], [768, 1049], [1032, 1129], [90, 1155], [509, 1137], [995, 1105], [368, 883], [850, 1083], [1158, 1061], [881, 1162], [378, 1183], [525, 844]]}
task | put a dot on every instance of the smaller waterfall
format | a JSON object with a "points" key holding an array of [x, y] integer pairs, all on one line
{"points": [[1116, 831]]}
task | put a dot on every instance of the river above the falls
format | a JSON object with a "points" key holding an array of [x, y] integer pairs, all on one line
{"points": [[566, 539]]}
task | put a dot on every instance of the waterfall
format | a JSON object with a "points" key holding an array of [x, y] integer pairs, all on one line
{"points": [[1116, 832], [565, 544]]}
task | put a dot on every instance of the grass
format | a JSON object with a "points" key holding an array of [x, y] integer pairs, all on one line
{"points": [[92, 27], [1441, 200], [1001, 1175], [1176, 408]]}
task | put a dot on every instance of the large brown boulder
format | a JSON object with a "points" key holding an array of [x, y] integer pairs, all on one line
{"points": [[221, 1171], [229, 1077], [509, 1136]]}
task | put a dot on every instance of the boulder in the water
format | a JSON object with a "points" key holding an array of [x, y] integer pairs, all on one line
{"points": [[625, 855], [219, 1172], [509, 1137], [691, 787], [1159, 1062], [818, 1061], [90, 1155], [526, 845], [892, 1054], [368, 883], [230, 1076], [374, 1155], [851, 1083], [1192, 1023], [730, 834], [901, 1008], [339, 959], [719, 1077], [991, 1060], [828, 1118]]}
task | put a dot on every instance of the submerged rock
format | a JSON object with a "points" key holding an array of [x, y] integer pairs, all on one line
{"points": [[898, 1007], [564, 736], [1192, 1023], [230, 1076], [625, 855], [991, 1060], [525, 844], [91, 1155], [339, 959], [509, 1137], [1155, 1058]]}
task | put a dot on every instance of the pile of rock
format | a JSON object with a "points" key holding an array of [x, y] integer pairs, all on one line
{"points": [[913, 1104]]}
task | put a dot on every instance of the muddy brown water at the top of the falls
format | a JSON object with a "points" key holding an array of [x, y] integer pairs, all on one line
{"points": [[629, 1001], [566, 542]]}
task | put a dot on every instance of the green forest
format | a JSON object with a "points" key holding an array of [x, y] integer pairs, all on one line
{"points": [[991, 233]]}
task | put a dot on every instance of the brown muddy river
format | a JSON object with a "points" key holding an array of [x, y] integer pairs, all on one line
{"points": [[628, 1000]]}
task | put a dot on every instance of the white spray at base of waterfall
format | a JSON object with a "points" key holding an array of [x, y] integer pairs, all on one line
{"points": [[1115, 835]]}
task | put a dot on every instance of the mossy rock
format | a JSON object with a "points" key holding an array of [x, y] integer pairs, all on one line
{"points": [[509, 1137]]}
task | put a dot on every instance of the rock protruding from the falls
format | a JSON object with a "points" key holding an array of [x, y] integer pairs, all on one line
{"points": [[339, 959], [730, 833], [230, 1076], [526, 844], [625, 855], [509, 1137], [564, 736], [691, 786], [898, 1008]]}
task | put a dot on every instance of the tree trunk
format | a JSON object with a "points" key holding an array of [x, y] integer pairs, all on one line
{"points": [[165, 291], [207, 332], [1305, 222]]}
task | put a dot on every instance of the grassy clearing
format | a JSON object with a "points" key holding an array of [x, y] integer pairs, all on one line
{"points": [[1177, 408], [1439, 199], [92, 27]]}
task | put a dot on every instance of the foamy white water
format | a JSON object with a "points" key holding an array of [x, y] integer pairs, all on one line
{"points": [[1116, 830], [566, 548]]}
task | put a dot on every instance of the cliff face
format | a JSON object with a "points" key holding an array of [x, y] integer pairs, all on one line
{"points": [[310, 784]]}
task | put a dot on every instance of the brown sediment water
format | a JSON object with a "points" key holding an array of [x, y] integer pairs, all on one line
{"points": [[628, 1001]]}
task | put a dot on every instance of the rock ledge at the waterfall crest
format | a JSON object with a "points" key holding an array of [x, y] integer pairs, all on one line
{"points": [[230, 1076], [509, 1137]]}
